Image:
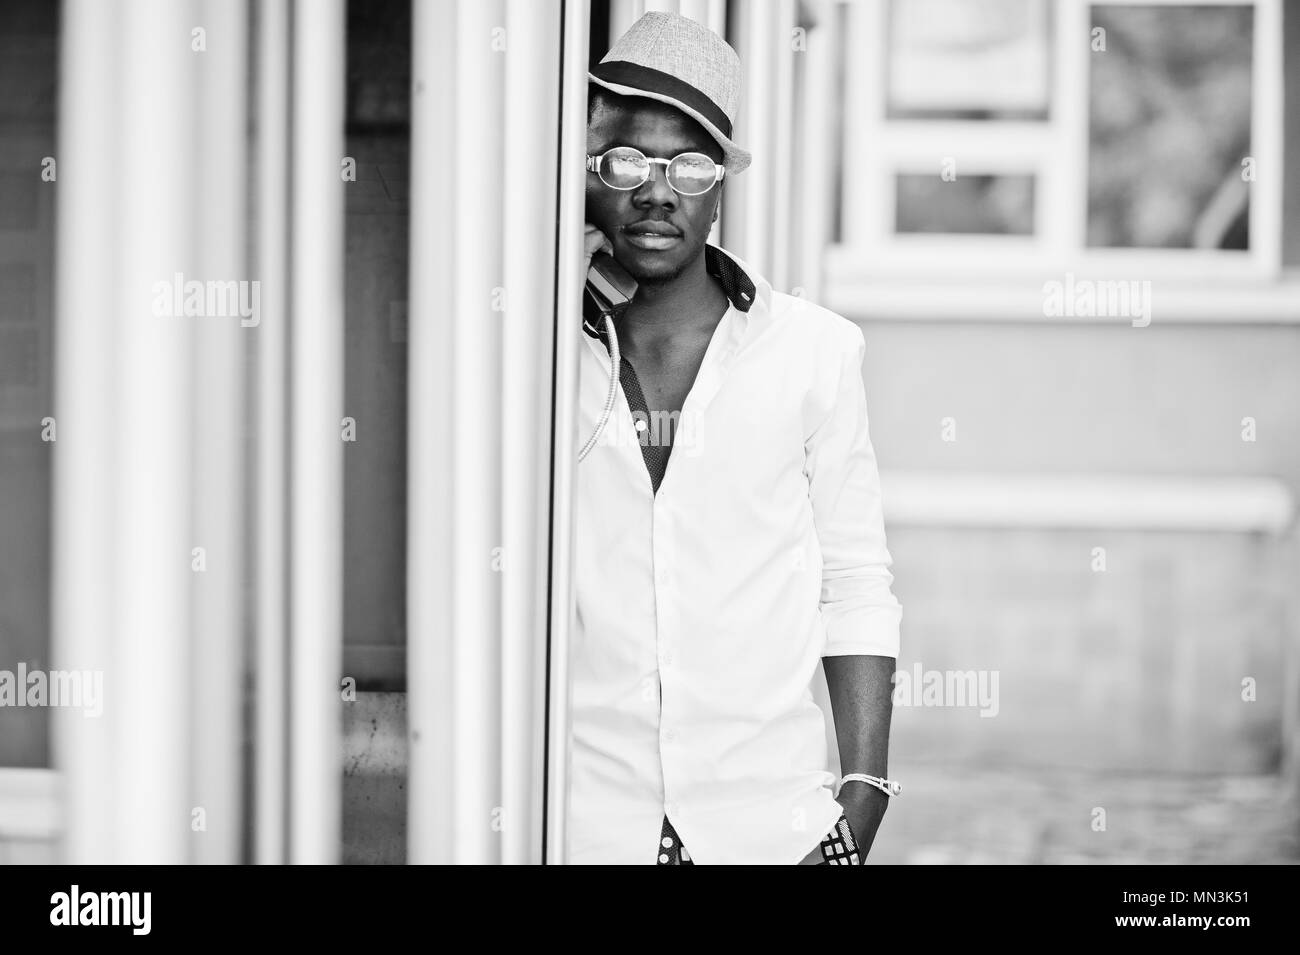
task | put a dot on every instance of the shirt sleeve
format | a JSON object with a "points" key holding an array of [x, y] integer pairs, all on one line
{"points": [[860, 611]]}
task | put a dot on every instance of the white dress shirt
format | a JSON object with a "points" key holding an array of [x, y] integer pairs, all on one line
{"points": [[704, 609]]}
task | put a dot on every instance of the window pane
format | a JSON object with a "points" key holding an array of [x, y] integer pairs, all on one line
{"points": [[978, 59], [994, 205], [28, 73], [1170, 106]]}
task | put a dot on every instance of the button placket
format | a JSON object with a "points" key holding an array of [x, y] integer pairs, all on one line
{"points": [[662, 543]]}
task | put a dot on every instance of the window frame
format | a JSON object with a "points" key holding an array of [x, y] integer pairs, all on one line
{"points": [[871, 259]]}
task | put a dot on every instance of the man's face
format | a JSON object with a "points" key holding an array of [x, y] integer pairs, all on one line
{"points": [[680, 223]]}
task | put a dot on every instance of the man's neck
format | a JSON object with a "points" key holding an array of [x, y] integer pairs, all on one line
{"points": [[692, 303]]}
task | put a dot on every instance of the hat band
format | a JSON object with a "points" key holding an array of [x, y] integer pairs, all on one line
{"points": [[626, 73]]}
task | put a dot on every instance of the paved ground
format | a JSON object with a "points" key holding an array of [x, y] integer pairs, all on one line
{"points": [[948, 814], [956, 815]]}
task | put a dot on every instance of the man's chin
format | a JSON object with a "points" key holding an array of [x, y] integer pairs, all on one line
{"points": [[655, 275], [651, 268]]}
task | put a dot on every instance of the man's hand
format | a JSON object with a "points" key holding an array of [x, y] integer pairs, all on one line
{"points": [[593, 241], [864, 806]]}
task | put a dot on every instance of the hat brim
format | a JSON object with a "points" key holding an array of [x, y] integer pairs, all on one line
{"points": [[734, 159]]}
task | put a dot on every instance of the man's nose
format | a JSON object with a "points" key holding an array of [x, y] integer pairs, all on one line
{"points": [[655, 190]]}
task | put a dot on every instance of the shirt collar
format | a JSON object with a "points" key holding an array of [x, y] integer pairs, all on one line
{"points": [[735, 276], [744, 287]]}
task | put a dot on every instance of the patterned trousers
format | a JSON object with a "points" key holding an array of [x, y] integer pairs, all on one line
{"points": [[838, 848]]}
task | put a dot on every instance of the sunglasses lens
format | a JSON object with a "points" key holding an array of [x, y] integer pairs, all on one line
{"points": [[623, 168], [692, 174]]}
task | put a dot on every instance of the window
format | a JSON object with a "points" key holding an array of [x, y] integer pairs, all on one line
{"points": [[1010, 141]]}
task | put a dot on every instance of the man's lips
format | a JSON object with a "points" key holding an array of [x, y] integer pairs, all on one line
{"points": [[651, 235]]}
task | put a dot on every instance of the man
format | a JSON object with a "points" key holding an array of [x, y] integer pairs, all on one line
{"points": [[737, 539]]}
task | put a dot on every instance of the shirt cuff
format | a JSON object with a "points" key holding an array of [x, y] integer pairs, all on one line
{"points": [[873, 631]]}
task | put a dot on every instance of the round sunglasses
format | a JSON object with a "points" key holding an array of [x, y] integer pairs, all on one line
{"points": [[625, 167]]}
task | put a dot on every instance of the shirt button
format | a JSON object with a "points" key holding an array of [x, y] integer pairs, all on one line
{"points": [[666, 842], [640, 424], [663, 575], [671, 808], [668, 659], [670, 735], [663, 857]]}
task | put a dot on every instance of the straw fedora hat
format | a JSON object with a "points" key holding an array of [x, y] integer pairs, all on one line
{"points": [[678, 61]]}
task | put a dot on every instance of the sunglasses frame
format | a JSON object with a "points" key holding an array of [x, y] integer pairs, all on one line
{"points": [[593, 165]]}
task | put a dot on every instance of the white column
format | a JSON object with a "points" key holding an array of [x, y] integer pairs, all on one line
{"points": [[150, 406], [815, 160], [475, 216], [153, 579], [271, 336], [122, 577], [532, 76], [780, 142], [483, 339], [429, 592], [749, 198], [1267, 127], [712, 13], [218, 428], [622, 14], [456, 534], [87, 361], [568, 341], [316, 447]]}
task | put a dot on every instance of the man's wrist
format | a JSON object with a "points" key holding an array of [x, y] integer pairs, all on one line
{"points": [[858, 792], [890, 787], [864, 806]]}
